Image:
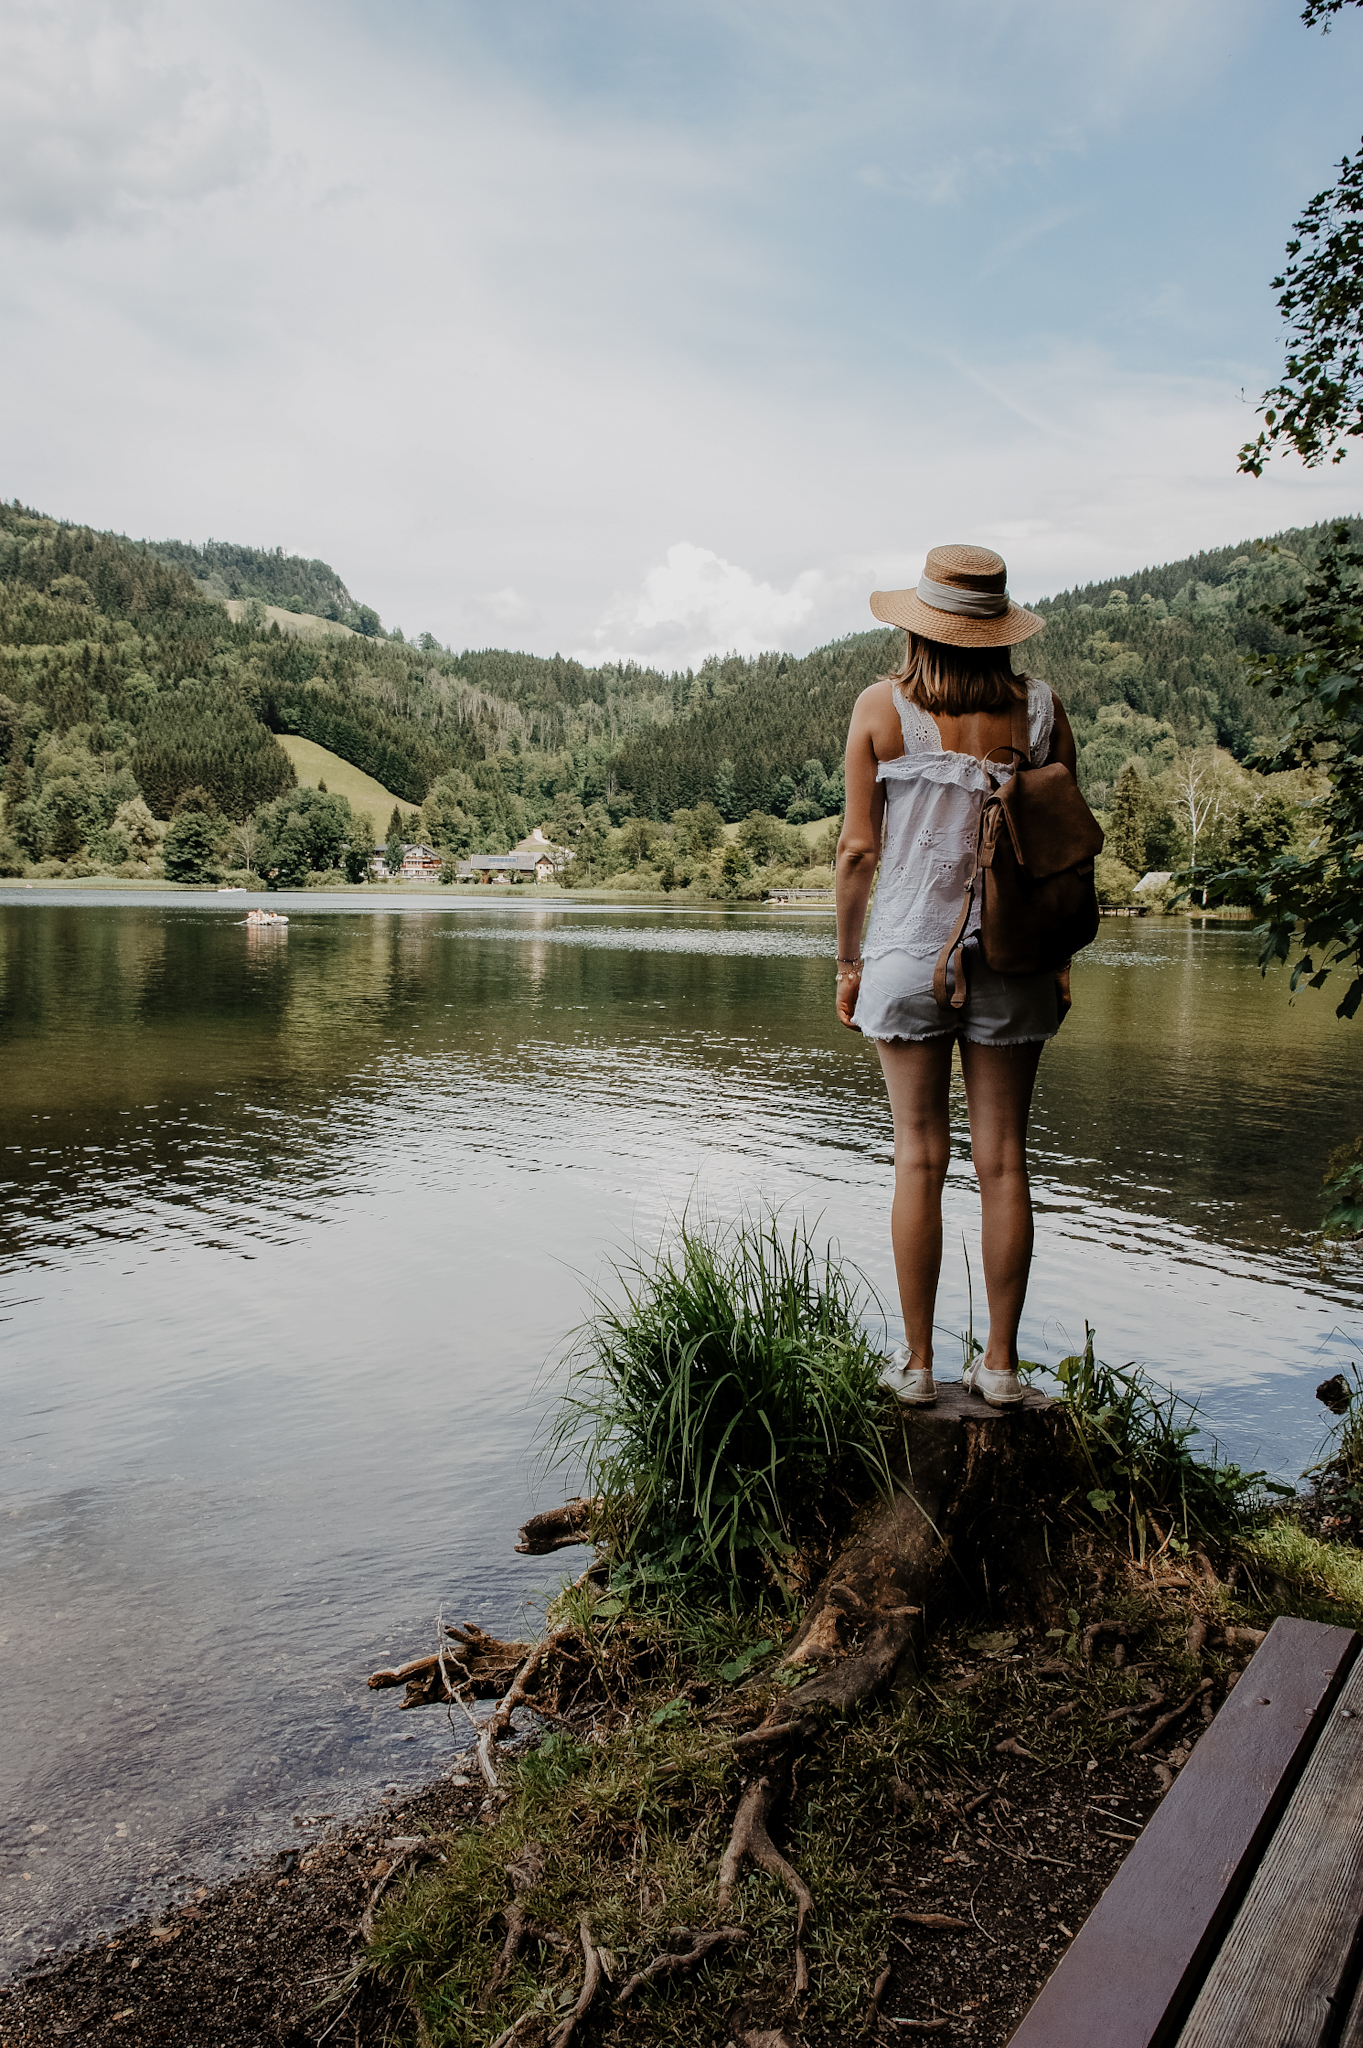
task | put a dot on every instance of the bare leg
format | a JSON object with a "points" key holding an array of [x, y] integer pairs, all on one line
{"points": [[918, 1082], [998, 1090]]}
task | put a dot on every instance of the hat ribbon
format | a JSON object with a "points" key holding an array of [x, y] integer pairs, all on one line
{"points": [[971, 604]]}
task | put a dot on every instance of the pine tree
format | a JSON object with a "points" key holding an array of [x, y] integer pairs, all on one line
{"points": [[1126, 819], [395, 847], [16, 779]]}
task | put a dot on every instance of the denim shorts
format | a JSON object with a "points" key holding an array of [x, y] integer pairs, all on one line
{"points": [[895, 1001]]}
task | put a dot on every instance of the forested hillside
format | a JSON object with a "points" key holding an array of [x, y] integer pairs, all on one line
{"points": [[223, 569], [124, 681], [1145, 666]]}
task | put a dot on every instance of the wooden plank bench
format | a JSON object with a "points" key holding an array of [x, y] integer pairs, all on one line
{"points": [[1237, 1919]]}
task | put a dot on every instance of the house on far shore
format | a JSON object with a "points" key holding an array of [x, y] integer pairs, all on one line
{"points": [[509, 867], [419, 864], [535, 858], [1156, 879]]}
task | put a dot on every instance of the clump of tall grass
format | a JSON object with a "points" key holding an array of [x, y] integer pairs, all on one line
{"points": [[1136, 1441], [723, 1401]]}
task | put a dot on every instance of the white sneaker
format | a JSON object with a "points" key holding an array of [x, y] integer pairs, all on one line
{"points": [[911, 1384], [999, 1389]]}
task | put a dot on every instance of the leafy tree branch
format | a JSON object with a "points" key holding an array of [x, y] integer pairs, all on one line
{"points": [[1317, 408], [1312, 901]]}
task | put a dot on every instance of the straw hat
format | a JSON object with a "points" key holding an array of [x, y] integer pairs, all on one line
{"points": [[962, 598]]}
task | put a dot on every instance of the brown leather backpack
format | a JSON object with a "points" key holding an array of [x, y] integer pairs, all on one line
{"points": [[1033, 871]]}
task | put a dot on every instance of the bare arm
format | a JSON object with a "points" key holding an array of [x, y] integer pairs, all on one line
{"points": [[858, 845]]}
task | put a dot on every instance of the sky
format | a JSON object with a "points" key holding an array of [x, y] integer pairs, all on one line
{"points": [[632, 329]]}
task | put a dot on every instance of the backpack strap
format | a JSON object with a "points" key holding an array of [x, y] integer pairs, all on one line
{"points": [[960, 988], [955, 944]]}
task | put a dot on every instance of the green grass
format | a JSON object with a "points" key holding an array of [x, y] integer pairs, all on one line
{"points": [[1297, 1573], [725, 1408], [718, 1402], [633, 1821], [1135, 1443], [314, 764], [633, 1812]]}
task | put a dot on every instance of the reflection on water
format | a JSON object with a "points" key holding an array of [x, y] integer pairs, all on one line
{"points": [[292, 1223]]}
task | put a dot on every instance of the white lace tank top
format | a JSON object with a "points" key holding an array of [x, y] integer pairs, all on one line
{"points": [[932, 817]]}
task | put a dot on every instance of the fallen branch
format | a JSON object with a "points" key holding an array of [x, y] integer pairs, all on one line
{"points": [[1167, 1721], [591, 1984], [930, 1919], [675, 1962], [750, 1838]]}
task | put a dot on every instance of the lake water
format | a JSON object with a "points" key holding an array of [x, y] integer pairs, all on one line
{"points": [[293, 1227]]}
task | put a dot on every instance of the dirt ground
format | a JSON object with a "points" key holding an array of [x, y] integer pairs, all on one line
{"points": [[1017, 1857], [252, 1963]]}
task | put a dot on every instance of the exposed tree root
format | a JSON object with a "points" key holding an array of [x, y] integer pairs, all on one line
{"points": [[882, 1985], [515, 1696], [698, 1945], [558, 1528], [1097, 1631], [591, 1984], [520, 1928], [963, 1511], [750, 1838], [473, 1665], [1166, 1721], [404, 1850]]}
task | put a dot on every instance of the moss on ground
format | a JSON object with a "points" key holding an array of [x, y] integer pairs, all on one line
{"points": [[1296, 1572]]}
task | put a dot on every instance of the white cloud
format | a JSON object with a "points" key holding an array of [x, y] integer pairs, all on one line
{"points": [[490, 348], [103, 114], [694, 603]]}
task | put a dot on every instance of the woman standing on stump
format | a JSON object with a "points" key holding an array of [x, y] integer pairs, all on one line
{"points": [[926, 747]]}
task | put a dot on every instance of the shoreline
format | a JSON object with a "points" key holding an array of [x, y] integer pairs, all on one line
{"points": [[1010, 1792], [437, 894], [249, 1960]]}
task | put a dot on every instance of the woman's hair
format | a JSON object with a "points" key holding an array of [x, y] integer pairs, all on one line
{"points": [[958, 679]]}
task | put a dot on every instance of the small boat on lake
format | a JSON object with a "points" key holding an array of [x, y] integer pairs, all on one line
{"points": [[266, 917]]}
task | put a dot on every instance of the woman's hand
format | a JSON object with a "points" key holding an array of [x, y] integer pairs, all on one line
{"points": [[1064, 1000], [848, 988]]}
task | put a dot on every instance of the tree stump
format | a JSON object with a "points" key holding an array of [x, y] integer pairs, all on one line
{"points": [[974, 1490]]}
